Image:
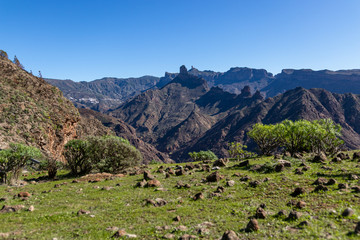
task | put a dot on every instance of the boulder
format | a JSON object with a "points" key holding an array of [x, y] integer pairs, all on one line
{"points": [[252, 226], [15, 208], [214, 177], [153, 183], [148, 176], [230, 235], [221, 162], [298, 191]]}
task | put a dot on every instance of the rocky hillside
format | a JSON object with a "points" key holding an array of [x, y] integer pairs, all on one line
{"points": [[183, 110], [97, 124], [34, 112], [295, 104]]}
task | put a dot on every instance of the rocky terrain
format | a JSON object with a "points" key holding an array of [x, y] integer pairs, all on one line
{"points": [[34, 112], [277, 197]]}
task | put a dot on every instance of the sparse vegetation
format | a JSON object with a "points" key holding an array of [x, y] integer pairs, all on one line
{"points": [[237, 151], [203, 155]]}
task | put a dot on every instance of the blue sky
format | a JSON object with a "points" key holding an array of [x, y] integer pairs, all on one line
{"points": [[85, 40]]}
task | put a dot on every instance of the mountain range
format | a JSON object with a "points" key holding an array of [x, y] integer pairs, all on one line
{"points": [[108, 93], [187, 115]]}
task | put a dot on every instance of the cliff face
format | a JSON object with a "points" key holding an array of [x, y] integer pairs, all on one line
{"points": [[34, 112]]}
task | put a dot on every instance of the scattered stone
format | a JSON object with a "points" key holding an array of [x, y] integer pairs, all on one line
{"points": [[320, 158], [198, 196], [357, 228], [153, 183], [256, 168], [243, 163], [187, 237], [336, 160], [279, 167], [169, 236], [260, 213], [96, 187], [220, 189], [347, 212], [297, 155], [321, 188], [331, 181], [230, 183], [177, 219], [263, 205], [287, 154], [122, 233], [215, 194], [293, 215], [180, 172], [148, 176], [107, 188], [141, 184], [3, 199], [230, 235], [202, 231], [298, 191], [24, 195], [214, 177], [284, 162], [298, 171], [354, 177], [252, 225], [182, 228], [187, 185], [305, 168], [254, 183], [31, 208], [343, 186], [221, 162], [167, 175], [281, 213], [304, 224], [356, 155], [320, 181], [190, 166], [301, 204], [356, 189], [161, 189], [245, 179], [277, 156], [171, 171], [157, 203], [82, 212], [343, 156], [75, 181], [326, 168], [15, 208], [112, 229]]}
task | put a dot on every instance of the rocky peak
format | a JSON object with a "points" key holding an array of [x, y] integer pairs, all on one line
{"points": [[246, 92], [257, 95], [183, 70]]}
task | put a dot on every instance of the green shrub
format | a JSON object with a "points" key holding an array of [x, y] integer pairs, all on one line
{"points": [[13, 159], [105, 154], [203, 155], [77, 157], [302, 135], [237, 151]]}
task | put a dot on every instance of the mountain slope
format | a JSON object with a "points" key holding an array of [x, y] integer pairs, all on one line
{"points": [[104, 124], [294, 104], [34, 112], [104, 93]]}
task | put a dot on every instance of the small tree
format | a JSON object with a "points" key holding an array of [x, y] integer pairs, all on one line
{"points": [[17, 62], [13, 159], [237, 151], [77, 157], [203, 155]]}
